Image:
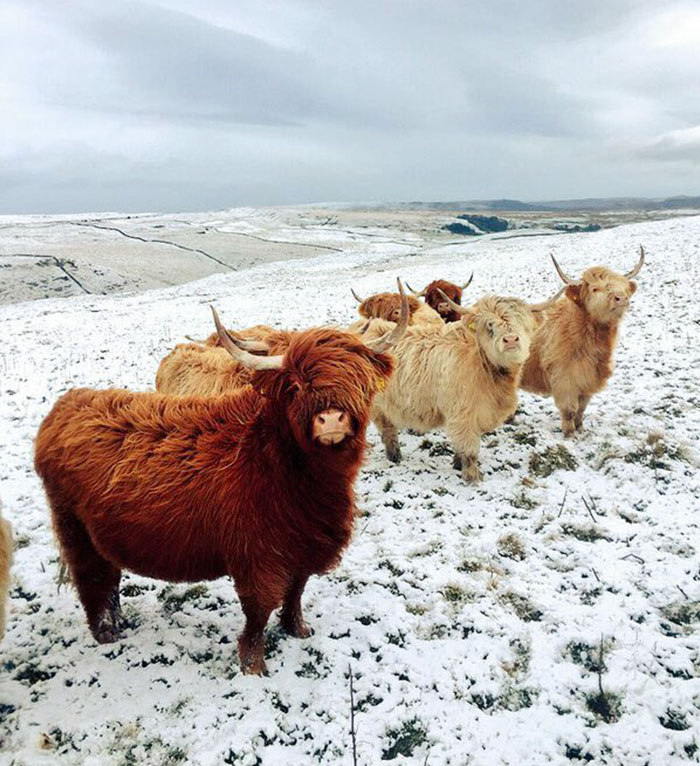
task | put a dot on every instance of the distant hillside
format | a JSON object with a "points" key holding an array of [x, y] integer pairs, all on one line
{"points": [[590, 203]]}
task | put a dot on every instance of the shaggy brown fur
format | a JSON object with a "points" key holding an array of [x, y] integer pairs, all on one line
{"points": [[194, 488], [437, 302], [462, 377], [5, 562], [387, 306], [571, 354]]}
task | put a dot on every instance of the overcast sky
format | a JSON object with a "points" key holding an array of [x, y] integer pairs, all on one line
{"points": [[171, 105]]}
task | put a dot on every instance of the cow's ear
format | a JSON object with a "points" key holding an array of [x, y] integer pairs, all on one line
{"points": [[633, 287], [469, 319], [268, 383], [573, 292]]}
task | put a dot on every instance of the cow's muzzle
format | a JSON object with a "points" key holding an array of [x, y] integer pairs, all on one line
{"points": [[331, 427]]}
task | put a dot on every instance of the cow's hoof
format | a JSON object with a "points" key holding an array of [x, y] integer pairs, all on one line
{"points": [[457, 462], [394, 455], [472, 476], [300, 630], [107, 634], [253, 666]]}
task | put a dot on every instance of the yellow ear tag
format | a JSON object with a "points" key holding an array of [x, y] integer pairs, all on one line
{"points": [[471, 326], [379, 384]]}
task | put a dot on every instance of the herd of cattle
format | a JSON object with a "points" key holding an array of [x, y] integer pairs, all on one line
{"points": [[243, 461]]}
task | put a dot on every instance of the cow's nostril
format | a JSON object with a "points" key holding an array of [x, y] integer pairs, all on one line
{"points": [[321, 419]]}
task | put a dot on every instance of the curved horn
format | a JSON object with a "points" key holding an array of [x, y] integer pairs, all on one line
{"points": [[548, 303], [195, 340], [467, 283], [454, 306], [244, 357], [251, 345], [564, 278], [639, 265], [391, 338], [421, 294], [356, 296]]}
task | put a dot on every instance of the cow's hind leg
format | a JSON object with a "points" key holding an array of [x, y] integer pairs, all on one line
{"points": [[96, 580], [291, 617], [582, 404], [390, 437]]}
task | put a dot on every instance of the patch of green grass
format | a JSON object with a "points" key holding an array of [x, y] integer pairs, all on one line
{"points": [[131, 589], [470, 565], [32, 674], [605, 705], [405, 740], [386, 564], [587, 656], [515, 698], [674, 720], [371, 700], [683, 617], [656, 453], [511, 546], [522, 606], [523, 500], [520, 437], [520, 664], [174, 599], [483, 701], [552, 459], [587, 533], [456, 594], [441, 448]]}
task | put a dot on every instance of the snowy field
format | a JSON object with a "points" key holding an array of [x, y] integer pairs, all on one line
{"points": [[546, 616]]}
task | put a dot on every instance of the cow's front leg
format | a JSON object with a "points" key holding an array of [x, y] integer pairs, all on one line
{"points": [[251, 643], [582, 404], [568, 405], [466, 448], [390, 437], [291, 618]]}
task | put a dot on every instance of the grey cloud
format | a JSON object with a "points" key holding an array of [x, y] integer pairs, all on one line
{"points": [[171, 104]]}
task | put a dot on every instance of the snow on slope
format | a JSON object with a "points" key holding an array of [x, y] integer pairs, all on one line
{"points": [[479, 623]]}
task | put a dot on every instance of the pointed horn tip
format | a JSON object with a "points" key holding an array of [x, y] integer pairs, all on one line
{"points": [[454, 306]]}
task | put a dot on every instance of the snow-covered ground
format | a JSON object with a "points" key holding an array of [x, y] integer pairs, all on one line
{"points": [[547, 615]]}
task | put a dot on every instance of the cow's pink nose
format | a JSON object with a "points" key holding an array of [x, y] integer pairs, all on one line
{"points": [[332, 426], [511, 341]]}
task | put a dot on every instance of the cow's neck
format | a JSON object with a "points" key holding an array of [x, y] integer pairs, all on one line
{"points": [[600, 337]]}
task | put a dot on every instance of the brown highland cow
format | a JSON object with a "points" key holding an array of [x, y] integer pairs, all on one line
{"points": [[571, 357], [256, 484], [433, 294]]}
